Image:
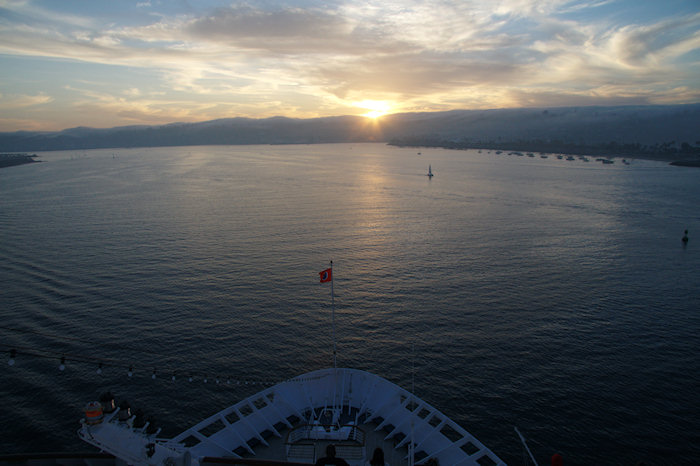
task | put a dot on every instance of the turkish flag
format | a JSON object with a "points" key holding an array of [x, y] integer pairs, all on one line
{"points": [[326, 275]]}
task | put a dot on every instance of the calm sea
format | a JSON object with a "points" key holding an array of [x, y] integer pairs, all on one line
{"points": [[550, 295]]}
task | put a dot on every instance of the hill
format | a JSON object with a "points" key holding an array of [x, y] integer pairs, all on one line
{"points": [[646, 129]]}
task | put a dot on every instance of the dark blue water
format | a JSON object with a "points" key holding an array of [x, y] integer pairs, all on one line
{"points": [[550, 295]]}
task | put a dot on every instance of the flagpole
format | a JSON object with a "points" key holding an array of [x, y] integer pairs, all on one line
{"points": [[333, 313]]}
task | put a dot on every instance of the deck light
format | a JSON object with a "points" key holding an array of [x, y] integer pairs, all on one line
{"points": [[130, 372], [62, 366], [99, 369], [13, 355], [153, 376]]}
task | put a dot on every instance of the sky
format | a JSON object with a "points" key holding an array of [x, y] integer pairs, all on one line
{"points": [[105, 63]]}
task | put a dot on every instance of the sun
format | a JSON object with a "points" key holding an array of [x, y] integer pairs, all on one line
{"points": [[376, 108]]}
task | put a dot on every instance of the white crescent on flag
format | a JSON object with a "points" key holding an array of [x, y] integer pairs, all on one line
{"points": [[326, 275]]}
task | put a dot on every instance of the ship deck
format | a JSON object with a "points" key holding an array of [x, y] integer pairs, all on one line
{"points": [[295, 420], [276, 450]]}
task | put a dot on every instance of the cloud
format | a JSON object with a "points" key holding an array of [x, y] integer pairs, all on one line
{"points": [[256, 59], [245, 22], [659, 43], [14, 102], [603, 95], [290, 33], [409, 75], [26, 124], [132, 92]]}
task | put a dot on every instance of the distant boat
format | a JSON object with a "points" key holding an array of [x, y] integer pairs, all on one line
{"points": [[430, 172]]}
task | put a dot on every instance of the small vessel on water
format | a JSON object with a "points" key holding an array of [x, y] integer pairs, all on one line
{"points": [[430, 172]]}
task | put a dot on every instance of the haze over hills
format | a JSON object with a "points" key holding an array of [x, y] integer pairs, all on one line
{"points": [[662, 129]]}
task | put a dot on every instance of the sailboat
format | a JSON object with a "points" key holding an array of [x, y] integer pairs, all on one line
{"points": [[430, 172]]}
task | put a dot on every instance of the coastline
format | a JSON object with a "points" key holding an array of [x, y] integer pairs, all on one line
{"points": [[679, 159], [676, 159], [10, 160], [686, 163]]}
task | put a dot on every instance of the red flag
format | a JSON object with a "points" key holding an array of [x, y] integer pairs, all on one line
{"points": [[326, 275]]}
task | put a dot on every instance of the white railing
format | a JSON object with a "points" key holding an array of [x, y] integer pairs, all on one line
{"points": [[373, 398], [326, 432]]}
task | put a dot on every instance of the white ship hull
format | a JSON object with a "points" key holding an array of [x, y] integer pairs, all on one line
{"points": [[294, 420]]}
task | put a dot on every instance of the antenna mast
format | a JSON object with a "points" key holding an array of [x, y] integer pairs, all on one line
{"points": [[333, 313]]}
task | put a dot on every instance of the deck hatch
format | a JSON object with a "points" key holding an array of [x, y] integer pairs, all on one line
{"points": [[486, 461], [190, 441], [451, 434], [469, 448], [232, 417], [212, 428]]}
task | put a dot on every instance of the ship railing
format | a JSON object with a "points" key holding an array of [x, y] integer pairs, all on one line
{"points": [[348, 439], [346, 432]]}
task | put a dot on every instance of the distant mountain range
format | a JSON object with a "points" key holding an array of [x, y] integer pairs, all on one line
{"points": [[646, 128]]}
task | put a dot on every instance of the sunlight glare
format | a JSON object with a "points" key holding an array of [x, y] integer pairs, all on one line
{"points": [[376, 108]]}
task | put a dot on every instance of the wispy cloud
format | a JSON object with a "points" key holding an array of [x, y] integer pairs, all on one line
{"points": [[13, 102], [656, 44], [261, 59]]}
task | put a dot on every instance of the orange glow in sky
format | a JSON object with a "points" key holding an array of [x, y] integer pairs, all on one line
{"points": [[376, 108], [63, 65]]}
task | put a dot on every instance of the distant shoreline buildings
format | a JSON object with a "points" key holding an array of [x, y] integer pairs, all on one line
{"points": [[664, 151]]}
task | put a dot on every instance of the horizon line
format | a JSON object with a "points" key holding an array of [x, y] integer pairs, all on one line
{"points": [[366, 117]]}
